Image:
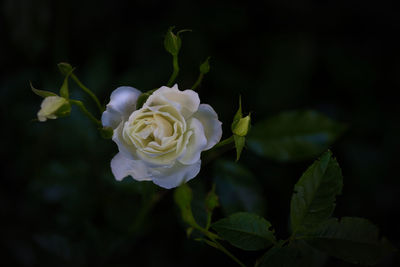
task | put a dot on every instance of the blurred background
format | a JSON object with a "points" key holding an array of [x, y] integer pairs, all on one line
{"points": [[59, 203]]}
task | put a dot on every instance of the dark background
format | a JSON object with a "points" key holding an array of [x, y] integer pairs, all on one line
{"points": [[59, 203]]}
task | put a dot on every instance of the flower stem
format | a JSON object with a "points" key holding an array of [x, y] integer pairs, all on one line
{"points": [[218, 149], [197, 83], [214, 243], [175, 72], [217, 245], [209, 217], [86, 112], [207, 233], [224, 142], [88, 91]]}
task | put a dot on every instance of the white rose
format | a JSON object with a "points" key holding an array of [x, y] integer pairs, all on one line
{"points": [[53, 107], [162, 141]]}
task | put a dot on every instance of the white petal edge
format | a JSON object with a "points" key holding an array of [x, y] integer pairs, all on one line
{"points": [[124, 148], [122, 166], [122, 104], [197, 143], [212, 126], [177, 175], [187, 102]]}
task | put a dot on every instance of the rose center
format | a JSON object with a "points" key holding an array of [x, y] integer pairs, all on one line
{"points": [[155, 128]]}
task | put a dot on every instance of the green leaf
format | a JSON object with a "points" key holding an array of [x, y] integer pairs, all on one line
{"points": [[205, 66], [279, 257], [239, 144], [294, 135], [238, 115], [42, 93], [296, 254], [355, 240], [183, 198], [307, 256], [246, 231], [314, 195]]}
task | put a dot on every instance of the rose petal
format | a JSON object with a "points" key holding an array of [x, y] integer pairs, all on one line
{"points": [[197, 143], [176, 175], [126, 149], [122, 104], [186, 102], [212, 126], [122, 166], [49, 106]]}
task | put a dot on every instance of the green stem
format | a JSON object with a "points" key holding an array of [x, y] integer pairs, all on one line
{"points": [[229, 254], [218, 149], [86, 112], [88, 91], [224, 142], [208, 220], [207, 233], [197, 83], [214, 243], [217, 245], [175, 72]]}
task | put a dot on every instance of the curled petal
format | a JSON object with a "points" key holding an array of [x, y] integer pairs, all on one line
{"points": [[186, 102], [175, 175], [122, 166], [212, 126], [196, 143], [122, 104]]}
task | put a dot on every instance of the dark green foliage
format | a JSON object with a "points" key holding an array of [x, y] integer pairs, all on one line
{"points": [[279, 257], [294, 135], [297, 254], [246, 231], [314, 195], [355, 240]]}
